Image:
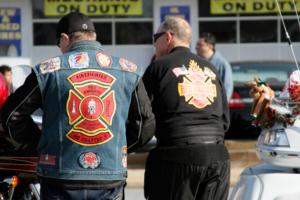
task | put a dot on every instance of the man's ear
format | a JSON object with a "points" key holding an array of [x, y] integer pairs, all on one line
{"points": [[65, 38], [169, 37]]}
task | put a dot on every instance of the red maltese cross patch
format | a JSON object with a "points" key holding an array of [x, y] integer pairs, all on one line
{"points": [[91, 107]]}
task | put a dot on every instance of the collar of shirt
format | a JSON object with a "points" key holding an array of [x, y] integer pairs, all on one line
{"points": [[179, 48], [86, 45]]}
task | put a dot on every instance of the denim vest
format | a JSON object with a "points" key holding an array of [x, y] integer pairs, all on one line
{"points": [[86, 96]]}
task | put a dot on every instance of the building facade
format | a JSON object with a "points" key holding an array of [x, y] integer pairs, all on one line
{"points": [[245, 29]]}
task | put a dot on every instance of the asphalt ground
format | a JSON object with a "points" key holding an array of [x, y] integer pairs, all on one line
{"points": [[138, 193]]}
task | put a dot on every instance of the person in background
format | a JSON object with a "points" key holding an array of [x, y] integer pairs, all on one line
{"points": [[6, 71], [189, 103], [4, 91], [205, 48], [86, 96]]}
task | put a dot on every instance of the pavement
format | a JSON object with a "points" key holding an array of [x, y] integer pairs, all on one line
{"points": [[134, 194], [242, 154], [138, 193]]}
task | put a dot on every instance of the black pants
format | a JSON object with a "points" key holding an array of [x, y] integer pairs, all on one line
{"points": [[166, 179]]}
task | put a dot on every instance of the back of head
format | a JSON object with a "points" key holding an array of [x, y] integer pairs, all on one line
{"points": [[179, 27], [208, 38], [75, 22], [4, 68]]}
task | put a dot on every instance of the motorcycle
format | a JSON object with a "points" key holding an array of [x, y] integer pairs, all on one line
{"points": [[279, 176], [278, 146], [18, 180]]}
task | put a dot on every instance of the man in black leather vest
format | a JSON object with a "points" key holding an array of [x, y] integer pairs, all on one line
{"points": [[191, 110]]}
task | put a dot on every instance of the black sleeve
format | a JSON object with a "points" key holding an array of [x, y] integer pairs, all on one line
{"points": [[148, 80], [19, 127], [226, 116], [140, 126]]}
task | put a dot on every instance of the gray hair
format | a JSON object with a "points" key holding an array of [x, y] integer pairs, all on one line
{"points": [[178, 26]]}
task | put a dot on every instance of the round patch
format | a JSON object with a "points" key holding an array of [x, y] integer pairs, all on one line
{"points": [[103, 60], [89, 160], [126, 65], [91, 107]]}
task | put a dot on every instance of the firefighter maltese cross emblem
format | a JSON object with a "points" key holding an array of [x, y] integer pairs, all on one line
{"points": [[198, 87], [90, 107]]}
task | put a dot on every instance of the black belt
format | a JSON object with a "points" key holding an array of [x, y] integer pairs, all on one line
{"points": [[189, 154], [191, 141]]}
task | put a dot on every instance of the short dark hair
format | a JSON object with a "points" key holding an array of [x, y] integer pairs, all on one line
{"points": [[4, 68], [208, 38]]}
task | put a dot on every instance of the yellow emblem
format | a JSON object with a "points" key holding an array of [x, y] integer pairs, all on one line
{"points": [[198, 87]]}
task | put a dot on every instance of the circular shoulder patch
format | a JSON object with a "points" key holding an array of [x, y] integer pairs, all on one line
{"points": [[89, 160], [126, 65], [103, 59]]}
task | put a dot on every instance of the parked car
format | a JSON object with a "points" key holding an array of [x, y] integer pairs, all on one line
{"points": [[274, 73]]}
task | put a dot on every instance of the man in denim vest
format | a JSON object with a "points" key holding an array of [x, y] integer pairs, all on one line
{"points": [[85, 95]]}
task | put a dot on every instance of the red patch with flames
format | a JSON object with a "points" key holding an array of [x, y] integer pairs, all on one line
{"points": [[91, 107]]}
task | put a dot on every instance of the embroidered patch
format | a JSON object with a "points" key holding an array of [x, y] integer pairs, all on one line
{"points": [[84, 139], [179, 71], [126, 65], [91, 107], [79, 60], [209, 73], [103, 59], [197, 86], [124, 156], [89, 160], [50, 65], [47, 159]]}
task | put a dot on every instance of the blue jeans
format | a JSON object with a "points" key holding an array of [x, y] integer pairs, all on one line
{"points": [[50, 192]]}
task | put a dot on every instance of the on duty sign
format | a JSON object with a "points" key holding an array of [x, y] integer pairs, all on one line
{"points": [[93, 7], [251, 6]]}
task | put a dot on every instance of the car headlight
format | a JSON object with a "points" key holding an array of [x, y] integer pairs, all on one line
{"points": [[276, 137]]}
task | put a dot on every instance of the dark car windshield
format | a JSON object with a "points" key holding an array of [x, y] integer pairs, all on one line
{"points": [[274, 73]]}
